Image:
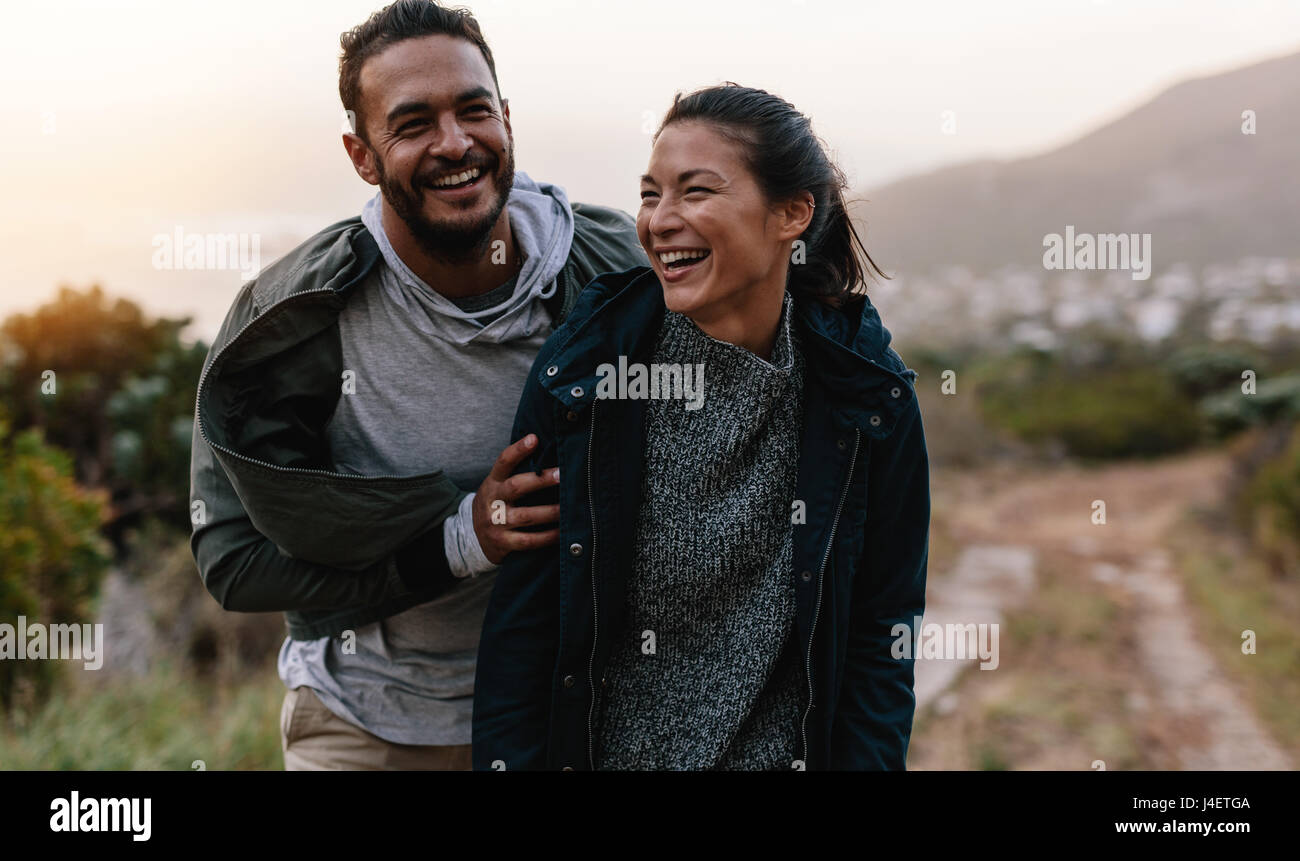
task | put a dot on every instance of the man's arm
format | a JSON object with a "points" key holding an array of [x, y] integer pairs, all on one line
{"points": [[873, 719], [246, 572]]}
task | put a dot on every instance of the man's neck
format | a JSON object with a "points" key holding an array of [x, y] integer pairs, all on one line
{"points": [[498, 262]]}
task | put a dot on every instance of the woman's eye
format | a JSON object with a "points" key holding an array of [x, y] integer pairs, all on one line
{"points": [[695, 188], [646, 195]]}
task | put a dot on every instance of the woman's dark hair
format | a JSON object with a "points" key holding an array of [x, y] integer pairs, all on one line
{"points": [[396, 22], [787, 158]]}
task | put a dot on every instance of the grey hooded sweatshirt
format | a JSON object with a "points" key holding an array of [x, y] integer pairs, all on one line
{"points": [[434, 385]]}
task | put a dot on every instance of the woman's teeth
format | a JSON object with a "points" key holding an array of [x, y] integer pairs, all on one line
{"points": [[678, 259], [457, 178]]}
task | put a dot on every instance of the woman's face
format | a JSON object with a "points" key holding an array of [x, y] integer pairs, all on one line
{"points": [[698, 197]]}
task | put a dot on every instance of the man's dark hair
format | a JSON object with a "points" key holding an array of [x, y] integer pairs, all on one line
{"points": [[396, 22]]}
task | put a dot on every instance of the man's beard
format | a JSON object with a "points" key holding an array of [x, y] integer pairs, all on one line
{"points": [[452, 243]]}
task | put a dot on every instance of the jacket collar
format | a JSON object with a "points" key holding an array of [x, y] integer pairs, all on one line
{"points": [[847, 351]]}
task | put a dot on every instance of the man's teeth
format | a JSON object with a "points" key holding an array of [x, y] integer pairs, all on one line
{"points": [[457, 178], [667, 257]]}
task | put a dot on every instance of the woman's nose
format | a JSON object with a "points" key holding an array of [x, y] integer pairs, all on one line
{"points": [[665, 219]]}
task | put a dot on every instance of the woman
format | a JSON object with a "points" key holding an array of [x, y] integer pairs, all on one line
{"points": [[731, 573]]}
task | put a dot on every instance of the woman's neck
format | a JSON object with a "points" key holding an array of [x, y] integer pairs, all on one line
{"points": [[751, 323]]}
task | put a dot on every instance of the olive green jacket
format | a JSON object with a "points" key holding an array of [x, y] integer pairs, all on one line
{"points": [[275, 527]]}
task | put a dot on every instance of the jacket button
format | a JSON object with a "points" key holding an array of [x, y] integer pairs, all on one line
{"points": [[571, 416], [806, 576], [841, 444], [552, 371], [570, 681], [895, 392], [575, 549], [576, 391], [875, 421]]}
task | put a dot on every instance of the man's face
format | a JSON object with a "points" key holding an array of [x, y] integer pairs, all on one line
{"points": [[439, 142]]}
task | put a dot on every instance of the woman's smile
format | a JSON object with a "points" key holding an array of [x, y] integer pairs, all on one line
{"points": [[676, 265]]}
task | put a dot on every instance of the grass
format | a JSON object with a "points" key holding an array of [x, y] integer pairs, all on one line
{"points": [[166, 721], [1232, 591]]}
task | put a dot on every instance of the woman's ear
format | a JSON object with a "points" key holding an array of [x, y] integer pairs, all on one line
{"points": [[795, 215]]}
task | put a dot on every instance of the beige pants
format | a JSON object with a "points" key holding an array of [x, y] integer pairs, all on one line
{"points": [[316, 739]]}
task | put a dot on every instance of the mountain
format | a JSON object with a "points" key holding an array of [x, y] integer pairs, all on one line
{"points": [[1178, 167]]}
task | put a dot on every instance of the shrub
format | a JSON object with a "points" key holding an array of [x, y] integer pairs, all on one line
{"points": [[1119, 412], [51, 554]]}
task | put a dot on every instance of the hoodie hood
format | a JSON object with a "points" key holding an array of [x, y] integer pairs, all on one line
{"points": [[541, 220]]}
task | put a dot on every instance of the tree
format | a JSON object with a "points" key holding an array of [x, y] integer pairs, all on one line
{"points": [[114, 388], [51, 554]]}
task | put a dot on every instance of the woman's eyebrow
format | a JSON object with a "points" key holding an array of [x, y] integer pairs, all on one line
{"points": [[687, 174], [683, 176]]}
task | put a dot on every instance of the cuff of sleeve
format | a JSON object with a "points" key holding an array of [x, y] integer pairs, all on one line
{"points": [[464, 555]]}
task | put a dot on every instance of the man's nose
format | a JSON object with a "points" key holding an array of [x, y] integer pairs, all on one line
{"points": [[451, 142]]}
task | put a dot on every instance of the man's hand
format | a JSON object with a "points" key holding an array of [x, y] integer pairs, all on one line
{"points": [[496, 522]]}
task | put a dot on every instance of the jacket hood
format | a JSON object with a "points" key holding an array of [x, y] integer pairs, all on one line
{"points": [[847, 349], [541, 221]]}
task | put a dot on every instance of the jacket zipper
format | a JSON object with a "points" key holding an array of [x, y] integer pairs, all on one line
{"points": [[817, 609], [203, 379], [595, 619]]}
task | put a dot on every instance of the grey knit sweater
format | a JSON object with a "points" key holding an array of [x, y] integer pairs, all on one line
{"points": [[713, 588]]}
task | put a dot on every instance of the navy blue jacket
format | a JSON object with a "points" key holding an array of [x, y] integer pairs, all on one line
{"points": [[859, 563]]}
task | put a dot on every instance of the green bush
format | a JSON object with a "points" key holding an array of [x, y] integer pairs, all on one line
{"points": [[1275, 399], [1270, 503], [1112, 413], [114, 388], [1202, 371], [51, 553]]}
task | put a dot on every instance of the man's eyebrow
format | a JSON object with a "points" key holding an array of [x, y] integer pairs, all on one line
{"points": [[416, 106], [474, 93], [683, 176], [404, 108]]}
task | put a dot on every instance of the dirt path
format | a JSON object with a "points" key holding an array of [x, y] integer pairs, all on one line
{"points": [[1004, 522], [987, 581]]}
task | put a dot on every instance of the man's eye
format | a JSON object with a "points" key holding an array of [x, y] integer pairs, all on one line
{"points": [[406, 127], [646, 195], [482, 109], [698, 188]]}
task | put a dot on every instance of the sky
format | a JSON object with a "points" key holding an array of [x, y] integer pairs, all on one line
{"points": [[127, 120]]}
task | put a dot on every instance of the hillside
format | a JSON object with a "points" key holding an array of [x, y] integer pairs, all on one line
{"points": [[1178, 167]]}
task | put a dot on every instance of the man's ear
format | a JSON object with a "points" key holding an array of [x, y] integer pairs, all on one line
{"points": [[362, 158], [505, 115]]}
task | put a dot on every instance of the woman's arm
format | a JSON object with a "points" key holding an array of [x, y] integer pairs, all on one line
{"points": [[873, 719], [521, 631]]}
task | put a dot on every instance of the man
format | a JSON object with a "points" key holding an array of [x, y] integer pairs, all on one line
{"points": [[351, 411]]}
